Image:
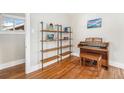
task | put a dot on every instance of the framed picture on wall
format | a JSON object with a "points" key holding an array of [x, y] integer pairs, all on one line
{"points": [[94, 23]]}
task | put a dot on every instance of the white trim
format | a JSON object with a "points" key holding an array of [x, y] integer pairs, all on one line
{"points": [[14, 26], [76, 54], [35, 68], [27, 44], [39, 66], [117, 64], [12, 63], [111, 63], [12, 32], [13, 16]]}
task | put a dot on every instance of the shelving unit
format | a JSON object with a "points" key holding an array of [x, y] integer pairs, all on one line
{"points": [[56, 48], [59, 42]]}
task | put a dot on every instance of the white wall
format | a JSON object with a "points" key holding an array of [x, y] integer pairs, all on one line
{"points": [[16, 14], [36, 18], [112, 30], [11, 48], [12, 45]]}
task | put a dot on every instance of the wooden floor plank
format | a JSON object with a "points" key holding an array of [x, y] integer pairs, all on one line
{"points": [[69, 68]]}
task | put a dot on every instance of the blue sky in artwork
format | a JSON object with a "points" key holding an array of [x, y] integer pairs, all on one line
{"points": [[94, 23]]}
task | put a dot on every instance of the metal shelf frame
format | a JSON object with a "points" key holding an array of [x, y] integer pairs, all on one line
{"points": [[59, 43]]}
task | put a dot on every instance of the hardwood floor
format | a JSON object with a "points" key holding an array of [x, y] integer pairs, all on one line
{"points": [[13, 72], [68, 69]]}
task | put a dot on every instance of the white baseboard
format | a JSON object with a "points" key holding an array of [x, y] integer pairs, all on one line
{"points": [[111, 63], [12, 63], [117, 64], [35, 68], [76, 54], [39, 66]]}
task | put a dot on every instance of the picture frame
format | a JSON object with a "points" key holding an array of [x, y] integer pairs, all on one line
{"points": [[94, 23]]}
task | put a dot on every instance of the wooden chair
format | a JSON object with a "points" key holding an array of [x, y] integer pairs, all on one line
{"points": [[92, 57]]}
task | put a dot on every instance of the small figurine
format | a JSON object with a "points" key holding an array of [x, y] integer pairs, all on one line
{"points": [[50, 26], [66, 29]]}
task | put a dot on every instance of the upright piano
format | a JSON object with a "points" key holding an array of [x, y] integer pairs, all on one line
{"points": [[97, 46]]}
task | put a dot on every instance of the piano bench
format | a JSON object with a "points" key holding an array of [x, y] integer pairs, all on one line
{"points": [[92, 57]]}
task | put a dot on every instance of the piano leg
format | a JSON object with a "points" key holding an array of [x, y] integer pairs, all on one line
{"points": [[80, 61], [83, 61], [105, 67]]}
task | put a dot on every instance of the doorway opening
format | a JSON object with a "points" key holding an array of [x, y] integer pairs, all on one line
{"points": [[12, 44]]}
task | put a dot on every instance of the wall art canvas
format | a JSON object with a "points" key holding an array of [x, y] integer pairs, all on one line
{"points": [[95, 23]]}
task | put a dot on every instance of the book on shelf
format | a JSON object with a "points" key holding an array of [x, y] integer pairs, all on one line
{"points": [[50, 37]]}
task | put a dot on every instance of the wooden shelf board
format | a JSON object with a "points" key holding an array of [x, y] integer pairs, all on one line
{"points": [[66, 46], [65, 32], [56, 48], [65, 39], [49, 30], [51, 49], [55, 57], [54, 31], [66, 53], [55, 40], [50, 58], [48, 40]]}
